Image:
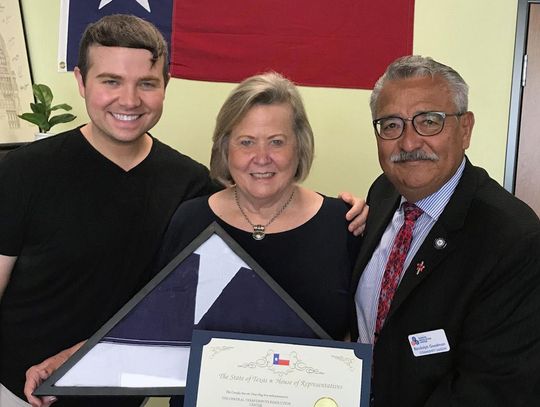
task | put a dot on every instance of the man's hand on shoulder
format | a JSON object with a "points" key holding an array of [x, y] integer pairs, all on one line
{"points": [[357, 214]]}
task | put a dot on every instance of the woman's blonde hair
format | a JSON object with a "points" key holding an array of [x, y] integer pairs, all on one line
{"points": [[265, 89]]}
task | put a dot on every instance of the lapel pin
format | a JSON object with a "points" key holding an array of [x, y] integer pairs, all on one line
{"points": [[439, 243], [420, 267]]}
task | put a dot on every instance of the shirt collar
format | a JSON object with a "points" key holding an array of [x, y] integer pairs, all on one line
{"points": [[434, 204]]}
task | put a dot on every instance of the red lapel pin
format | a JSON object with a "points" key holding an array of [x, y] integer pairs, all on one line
{"points": [[420, 267]]}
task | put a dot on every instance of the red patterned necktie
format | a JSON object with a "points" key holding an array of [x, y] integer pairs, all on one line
{"points": [[394, 266]]}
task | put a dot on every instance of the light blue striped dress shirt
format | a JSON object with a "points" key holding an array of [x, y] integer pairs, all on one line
{"points": [[369, 287]]}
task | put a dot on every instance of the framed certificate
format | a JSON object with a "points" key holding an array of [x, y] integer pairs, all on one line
{"points": [[213, 284], [231, 369]]}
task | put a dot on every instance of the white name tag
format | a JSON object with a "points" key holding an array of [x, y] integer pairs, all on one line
{"points": [[428, 343]]}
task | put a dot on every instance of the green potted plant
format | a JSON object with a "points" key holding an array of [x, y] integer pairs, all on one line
{"points": [[42, 109]]}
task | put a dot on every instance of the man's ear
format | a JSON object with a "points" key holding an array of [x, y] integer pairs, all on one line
{"points": [[80, 81], [466, 127], [167, 79]]}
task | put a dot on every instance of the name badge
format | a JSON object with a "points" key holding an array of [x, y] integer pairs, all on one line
{"points": [[428, 343]]}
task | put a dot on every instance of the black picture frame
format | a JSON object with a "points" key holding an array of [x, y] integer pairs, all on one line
{"points": [[307, 326]]}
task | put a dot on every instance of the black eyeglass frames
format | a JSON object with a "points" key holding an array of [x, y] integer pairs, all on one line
{"points": [[425, 123]]}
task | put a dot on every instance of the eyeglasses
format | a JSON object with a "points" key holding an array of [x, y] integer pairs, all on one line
{"points": [[426, 124]]}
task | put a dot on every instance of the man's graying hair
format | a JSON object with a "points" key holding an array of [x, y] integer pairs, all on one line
{"points": [[416, 66], [123, 30]]}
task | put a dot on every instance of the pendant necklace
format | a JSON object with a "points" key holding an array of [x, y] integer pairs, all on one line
{"points": [[259, 230]]}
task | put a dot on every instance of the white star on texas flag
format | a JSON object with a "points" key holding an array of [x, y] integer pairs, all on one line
{"points": [[143, 3]]}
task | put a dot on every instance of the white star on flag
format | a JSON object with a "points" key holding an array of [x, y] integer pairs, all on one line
{"points": [[143, 3]]}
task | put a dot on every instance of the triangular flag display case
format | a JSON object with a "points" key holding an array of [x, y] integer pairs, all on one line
{"points": [[213, 284]]}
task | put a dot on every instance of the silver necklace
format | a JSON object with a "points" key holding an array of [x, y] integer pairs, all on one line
{"points": [[259, 230]]}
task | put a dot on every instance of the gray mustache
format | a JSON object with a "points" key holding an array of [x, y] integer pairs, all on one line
{"points": [[415, 155]]}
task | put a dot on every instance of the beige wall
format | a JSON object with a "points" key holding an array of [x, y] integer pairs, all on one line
{"points": [[475, 37]]}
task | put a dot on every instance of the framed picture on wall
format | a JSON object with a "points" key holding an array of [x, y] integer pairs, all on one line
{"points": [[15, 76]]}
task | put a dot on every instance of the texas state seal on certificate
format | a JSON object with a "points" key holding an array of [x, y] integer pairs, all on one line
{"points": [[325, 402]]}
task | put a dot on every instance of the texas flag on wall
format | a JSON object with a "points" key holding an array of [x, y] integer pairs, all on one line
{"points": [[343, 43]]}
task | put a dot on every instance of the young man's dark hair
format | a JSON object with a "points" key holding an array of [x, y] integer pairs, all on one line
{"points": [[123, 30]]}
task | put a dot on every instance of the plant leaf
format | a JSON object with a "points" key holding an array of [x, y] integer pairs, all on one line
{"points": [[43, 94], [33, 118], [63, 106], [42, 109], [38, 108], [61, 118], [38, 119]]}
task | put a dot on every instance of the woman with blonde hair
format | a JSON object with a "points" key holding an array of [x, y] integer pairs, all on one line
{"points": [[262, 149]]}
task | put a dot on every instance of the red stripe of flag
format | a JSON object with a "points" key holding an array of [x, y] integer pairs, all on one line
{"points": [[345, 43]]}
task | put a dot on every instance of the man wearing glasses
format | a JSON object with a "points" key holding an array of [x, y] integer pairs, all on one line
{"points": [[449, 272]]}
